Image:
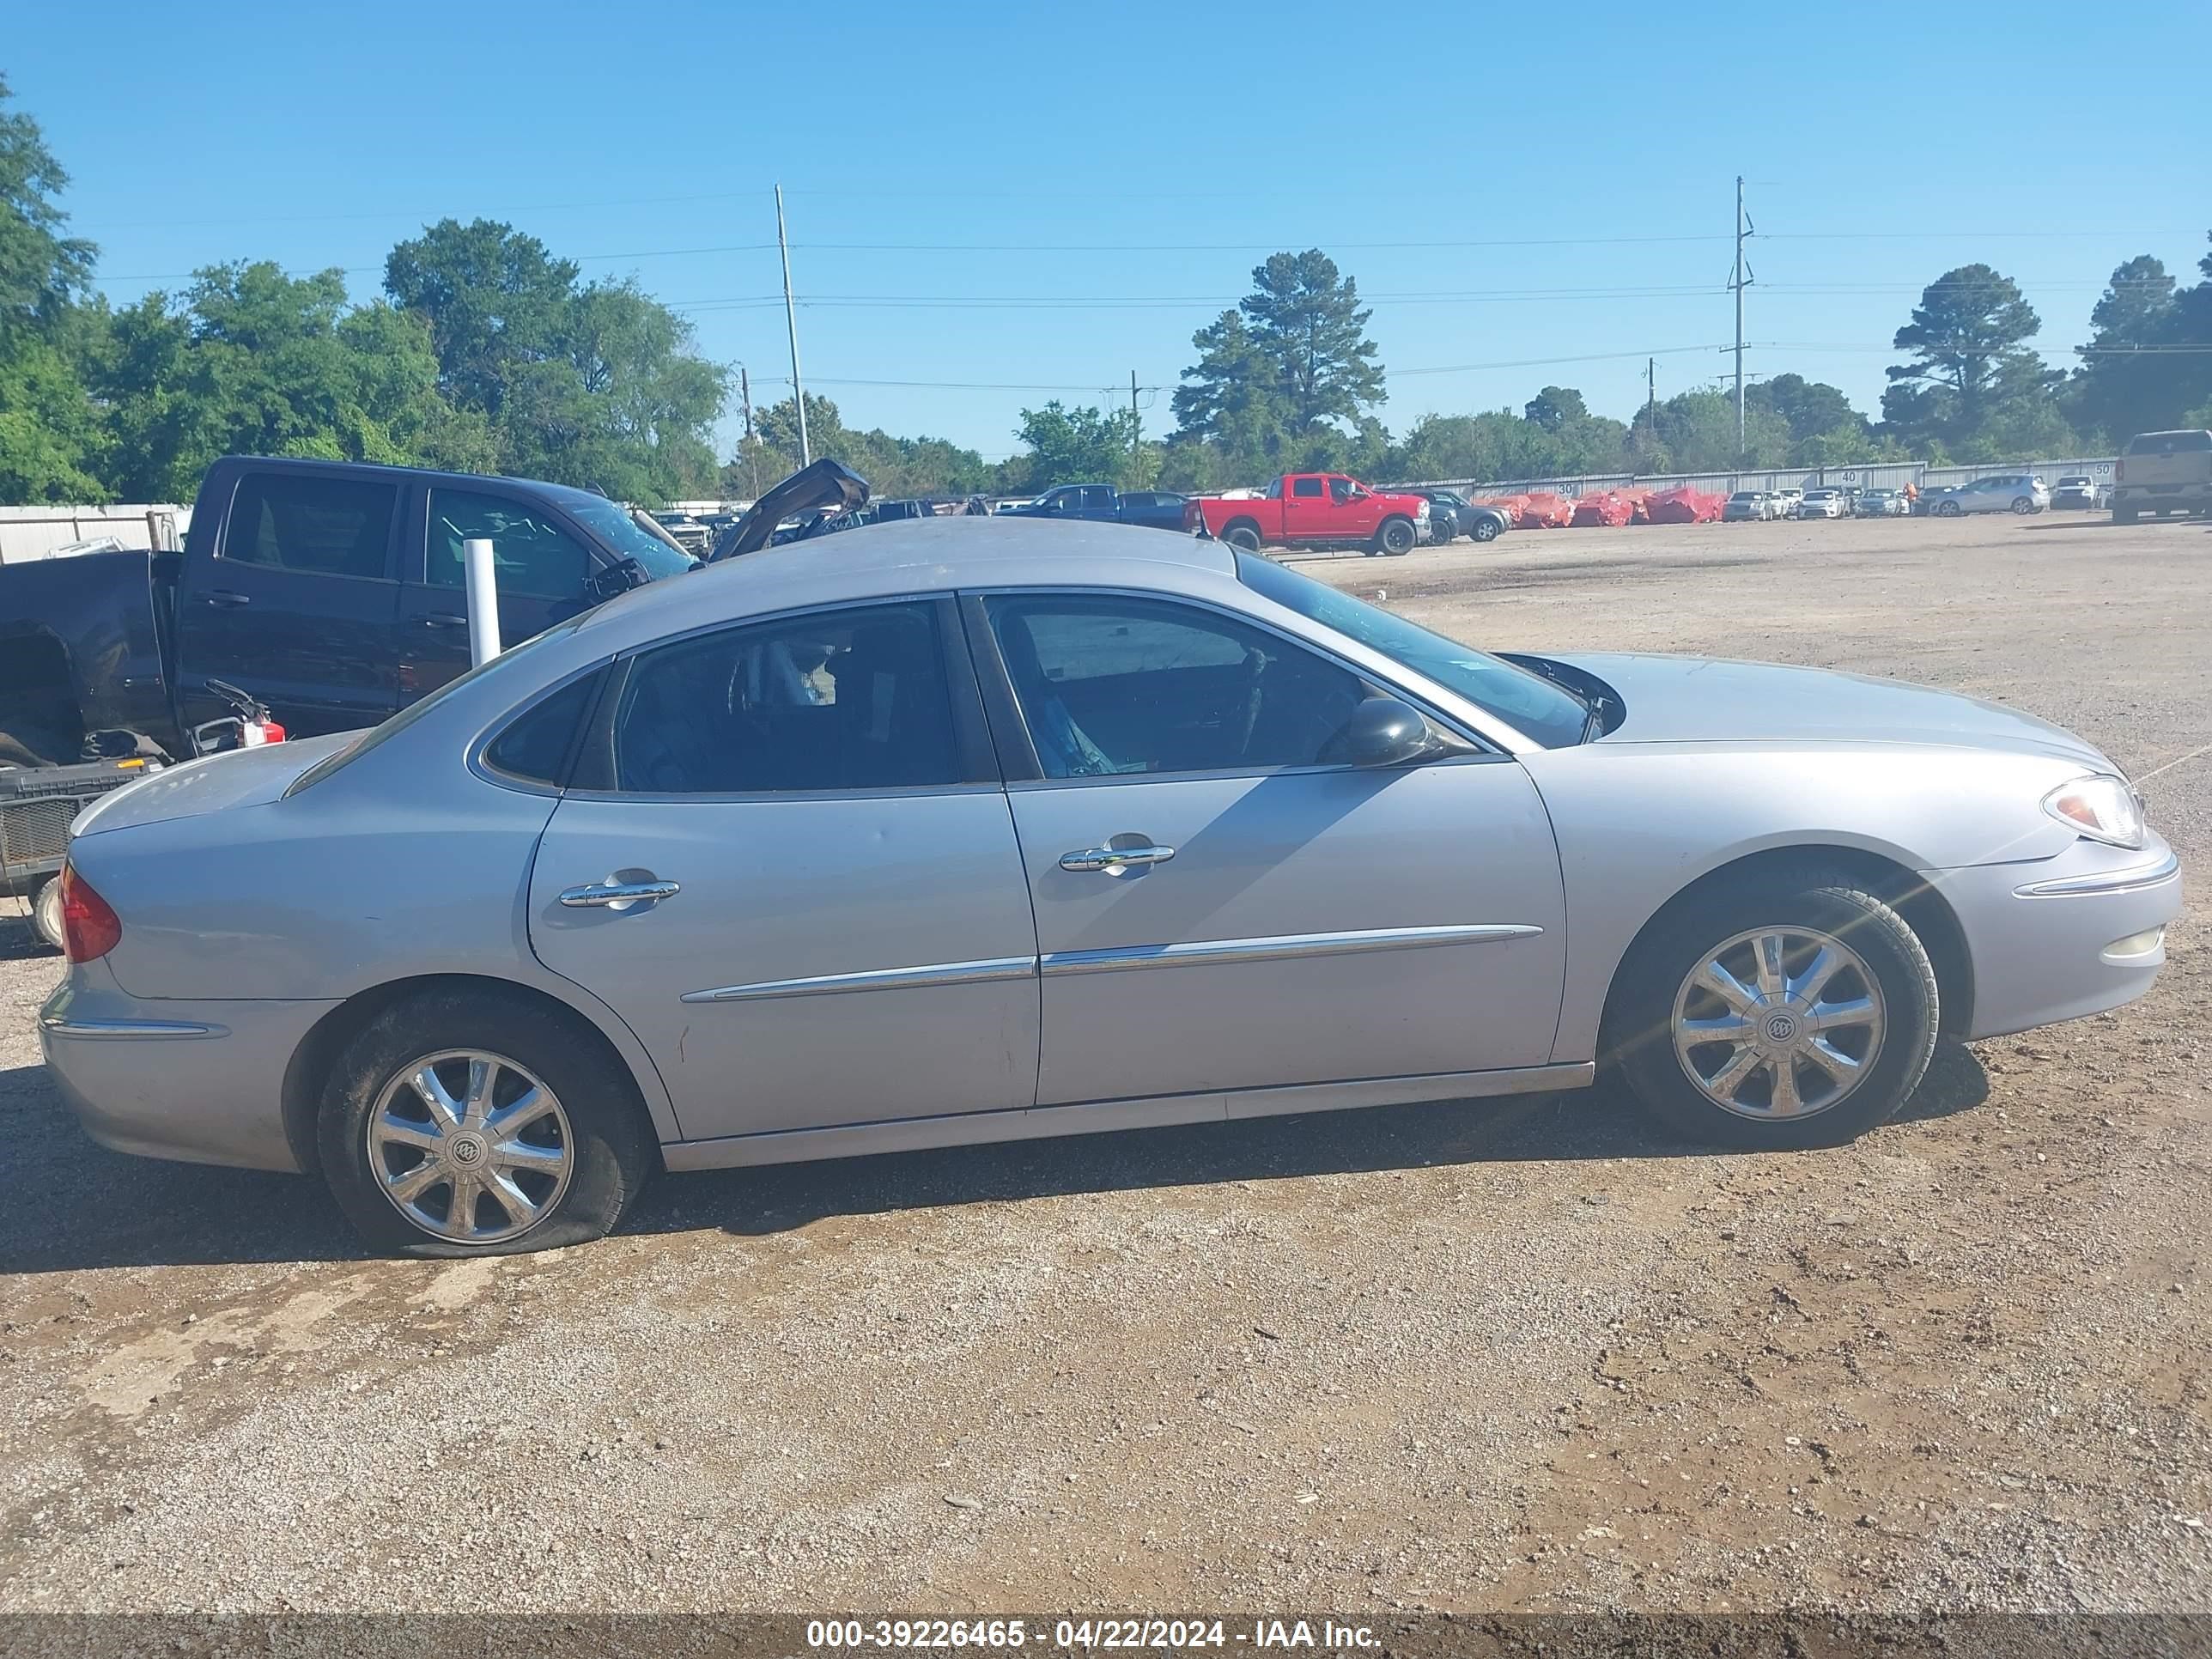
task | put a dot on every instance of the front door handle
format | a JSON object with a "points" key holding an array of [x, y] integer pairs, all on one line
{"points": [[617, 895], [1113, 860], [444, 619], [229, 600]]}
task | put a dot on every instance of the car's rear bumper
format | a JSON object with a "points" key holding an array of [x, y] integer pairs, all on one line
{"points": [[2058, 939], [202, 1081], [2168, 497]]}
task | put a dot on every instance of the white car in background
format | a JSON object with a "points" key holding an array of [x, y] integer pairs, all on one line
{"points": [[1787, 501], [1820, 504]]}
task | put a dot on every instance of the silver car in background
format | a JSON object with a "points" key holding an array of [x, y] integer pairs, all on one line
{"points": [[1881, 504], [983, 829], [1750, 507], [2011, 492]]}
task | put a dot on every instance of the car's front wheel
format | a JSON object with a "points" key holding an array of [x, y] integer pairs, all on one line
{"points": [[1395, 537], [1778, 1014], [1947, 509], [477, 1123], [46, 912]]}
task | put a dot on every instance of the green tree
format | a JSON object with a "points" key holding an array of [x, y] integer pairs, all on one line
{"points": [[494, 299], [1556, 407], [1083, 445], [1973, 381], [2137, 373], [251, 361], [49, 431], [1288, 375], [893, 467]]}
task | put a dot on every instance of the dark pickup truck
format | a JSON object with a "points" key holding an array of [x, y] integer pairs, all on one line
{"points": [[333, 594], [1155, 509]]}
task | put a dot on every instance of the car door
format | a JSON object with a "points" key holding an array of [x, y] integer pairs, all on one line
{"points": [[1305, 508], [297, 603], [788, 862], [1353, 507], [541, 563], [1218, 907]]}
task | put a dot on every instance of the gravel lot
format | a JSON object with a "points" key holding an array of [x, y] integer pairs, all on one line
{"points": [[1491, 1356]]}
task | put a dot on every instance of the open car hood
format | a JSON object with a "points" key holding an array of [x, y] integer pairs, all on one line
{"points": [[826, 489]]}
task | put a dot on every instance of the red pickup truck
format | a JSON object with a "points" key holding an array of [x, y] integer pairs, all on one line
{"points": [[1312, 509]]}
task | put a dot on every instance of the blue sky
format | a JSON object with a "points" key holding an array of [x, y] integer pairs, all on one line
{"points": [[1086, 185]]}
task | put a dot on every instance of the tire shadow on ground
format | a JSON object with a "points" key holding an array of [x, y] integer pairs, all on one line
{"points": [[67, 1203]]}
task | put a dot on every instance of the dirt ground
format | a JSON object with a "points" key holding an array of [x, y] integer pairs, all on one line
{"points": [[1498, 1355]]}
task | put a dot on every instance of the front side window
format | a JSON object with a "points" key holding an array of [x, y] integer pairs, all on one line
{"points": [[531, 553], [851, 699], [1111, 686], [1339, 491], [321, 526], [1525, 702]]}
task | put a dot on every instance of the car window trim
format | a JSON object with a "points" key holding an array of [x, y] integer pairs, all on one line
{"points": [[1017, 752], [971, 744], [479, 749], [391, 533], [595, 555]]}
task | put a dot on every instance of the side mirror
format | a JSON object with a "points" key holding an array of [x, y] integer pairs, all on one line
{"points": [[1384, 732]]}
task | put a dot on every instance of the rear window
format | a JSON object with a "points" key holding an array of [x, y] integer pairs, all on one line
{"points": [[315, 524], [2169, 443]]}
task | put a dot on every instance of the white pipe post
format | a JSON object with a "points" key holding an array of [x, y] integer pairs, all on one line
{"points": [[483, 601]]}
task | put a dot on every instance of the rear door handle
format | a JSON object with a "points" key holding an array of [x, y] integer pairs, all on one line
{"points": [[617, 895], [229, 600], [1113, 860]]}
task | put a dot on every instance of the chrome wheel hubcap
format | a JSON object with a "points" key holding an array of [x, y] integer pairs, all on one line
{"points": [[1778, 1021], [469, 1146]]}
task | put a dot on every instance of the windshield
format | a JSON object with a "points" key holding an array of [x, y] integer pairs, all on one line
{"points": [[613, 526], [1527, 702]]}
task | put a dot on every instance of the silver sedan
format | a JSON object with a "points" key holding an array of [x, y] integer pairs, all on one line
{"points": [[977, 829]]}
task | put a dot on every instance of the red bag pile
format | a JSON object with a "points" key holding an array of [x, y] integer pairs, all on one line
{"points": [[1685, 506], [1546, 511], [1607, 510]]}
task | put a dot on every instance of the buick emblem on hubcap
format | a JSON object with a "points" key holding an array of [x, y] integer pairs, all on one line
{"points": [[1780, 1028], [466, 1150]]}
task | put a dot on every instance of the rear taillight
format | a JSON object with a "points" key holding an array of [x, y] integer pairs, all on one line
{"points": [[89, 928]]}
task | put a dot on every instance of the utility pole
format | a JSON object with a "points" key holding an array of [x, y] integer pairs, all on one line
{"points": [[1651, 397], [1740, 280], [791, 321], [752, 455], [1136, 426]]}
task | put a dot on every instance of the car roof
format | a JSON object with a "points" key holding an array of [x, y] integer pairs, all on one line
{"points": [[911, 555]]}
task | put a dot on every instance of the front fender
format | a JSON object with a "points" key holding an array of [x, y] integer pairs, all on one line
{"points": [[1637, 824]]}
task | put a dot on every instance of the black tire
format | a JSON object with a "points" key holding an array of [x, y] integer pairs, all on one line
{"points": [[1395, 537], [1241, 536], [46, 912], [1947, 509], [1486, 528], [612, 1147], [1640, 1018], [2023, 505]]}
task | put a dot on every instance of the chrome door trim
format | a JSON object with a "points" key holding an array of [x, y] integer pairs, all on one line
{"points": [[62, 1025], [1279, 947], [2111, 881], [881, 979]]}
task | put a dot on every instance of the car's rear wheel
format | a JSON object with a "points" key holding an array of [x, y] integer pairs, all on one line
{"points": [[1243, 537], [1485, 530], [2023, 505], [1781, 1013], [46, 912], [1395, 537], [476, 1123]]}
